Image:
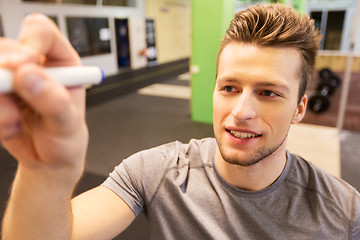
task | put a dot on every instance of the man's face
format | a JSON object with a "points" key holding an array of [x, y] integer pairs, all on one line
{"points": [[255, 101]]}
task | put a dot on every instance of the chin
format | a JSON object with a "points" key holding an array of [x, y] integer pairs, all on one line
{"points": [[249, 159], [242, 160]]}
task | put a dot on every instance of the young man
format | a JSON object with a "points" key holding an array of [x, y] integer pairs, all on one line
{"points": [[243, 185]]}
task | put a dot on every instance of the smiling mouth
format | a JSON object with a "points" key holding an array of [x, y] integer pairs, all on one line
{"points": [[243, 135]]}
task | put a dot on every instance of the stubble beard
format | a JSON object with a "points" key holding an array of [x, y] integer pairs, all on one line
{"points": [[259, 155]]}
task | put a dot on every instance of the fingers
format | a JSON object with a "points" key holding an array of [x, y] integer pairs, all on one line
{"points": [[39, 42], [60, 110], [49, 99], [10, 124], [42, 36], [42, 121], [12, 54]]}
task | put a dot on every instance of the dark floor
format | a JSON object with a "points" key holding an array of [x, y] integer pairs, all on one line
{"points": [[124, 122]]}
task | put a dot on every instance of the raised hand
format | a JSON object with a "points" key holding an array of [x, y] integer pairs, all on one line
{"points": [[41, 123]]}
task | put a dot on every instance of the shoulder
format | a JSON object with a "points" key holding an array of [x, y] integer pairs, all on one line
{"points": [[137, 179], [310, 176], [169, 155], [332, 191]]}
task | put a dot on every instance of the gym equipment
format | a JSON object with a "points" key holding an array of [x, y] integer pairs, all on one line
{"points": [[326, 75], [319, 103], [329, 82], [326, 88]]}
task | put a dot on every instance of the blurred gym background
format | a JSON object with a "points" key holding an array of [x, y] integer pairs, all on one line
{"points": [[159, 58]]}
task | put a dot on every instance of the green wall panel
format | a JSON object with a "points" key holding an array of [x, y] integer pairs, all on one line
{"points": [[210, 18]]}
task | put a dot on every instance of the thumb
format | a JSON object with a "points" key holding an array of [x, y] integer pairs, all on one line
{"points": [[48, 98]]}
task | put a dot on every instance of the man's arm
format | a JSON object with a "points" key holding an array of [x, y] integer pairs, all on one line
{"points": [[96, 214], [100, 214], [43, 126]]}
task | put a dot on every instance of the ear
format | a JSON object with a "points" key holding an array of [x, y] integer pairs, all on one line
{"points": [[300, 110]]}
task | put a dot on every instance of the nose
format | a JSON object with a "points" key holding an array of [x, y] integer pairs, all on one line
{"points": [[245, 108]]}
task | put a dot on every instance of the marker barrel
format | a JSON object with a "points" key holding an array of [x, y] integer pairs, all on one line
{"points": [[68, 76]]}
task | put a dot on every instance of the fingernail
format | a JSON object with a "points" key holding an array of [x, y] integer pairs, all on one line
{"points": [[33, 84]]}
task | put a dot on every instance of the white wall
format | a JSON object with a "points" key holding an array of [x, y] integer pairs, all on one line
{"points": [[137, 39], [13, 11], [172, 28]]}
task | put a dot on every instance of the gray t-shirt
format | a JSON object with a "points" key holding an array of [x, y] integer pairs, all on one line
{"points": [[184, 197]]}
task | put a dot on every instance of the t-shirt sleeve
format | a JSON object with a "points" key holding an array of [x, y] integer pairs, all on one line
{"points": [[355, 232], [136, 179], [123, 182]]}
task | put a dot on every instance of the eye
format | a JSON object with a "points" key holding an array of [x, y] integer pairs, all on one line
{"points": [[268, 93], [228, 89]]}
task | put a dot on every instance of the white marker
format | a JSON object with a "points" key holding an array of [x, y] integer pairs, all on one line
{"points": [[68, 76]]}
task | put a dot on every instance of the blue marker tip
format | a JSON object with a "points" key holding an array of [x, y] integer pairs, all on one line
{"points": [[102, 75]]}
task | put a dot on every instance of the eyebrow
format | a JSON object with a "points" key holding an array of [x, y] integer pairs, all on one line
{"points": [[226, 79], [273, 84], [266, 83]]}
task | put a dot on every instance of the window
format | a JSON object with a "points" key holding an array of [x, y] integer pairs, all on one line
{"points": [[89, 36], [1, 29], [317, 18], [122, 42], [330, 24], [150, 41], [334, 26], [43, 1], [54, 19], [118, 3]]}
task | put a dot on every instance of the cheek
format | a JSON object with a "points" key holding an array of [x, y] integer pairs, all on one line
{"points": [[220, 109], [218, 115], [280, 119]]}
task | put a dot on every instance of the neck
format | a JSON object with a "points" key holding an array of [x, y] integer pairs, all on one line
{"points": [[256, 177]]}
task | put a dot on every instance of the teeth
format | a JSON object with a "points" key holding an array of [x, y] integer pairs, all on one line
{"points": [[243, 135]]}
